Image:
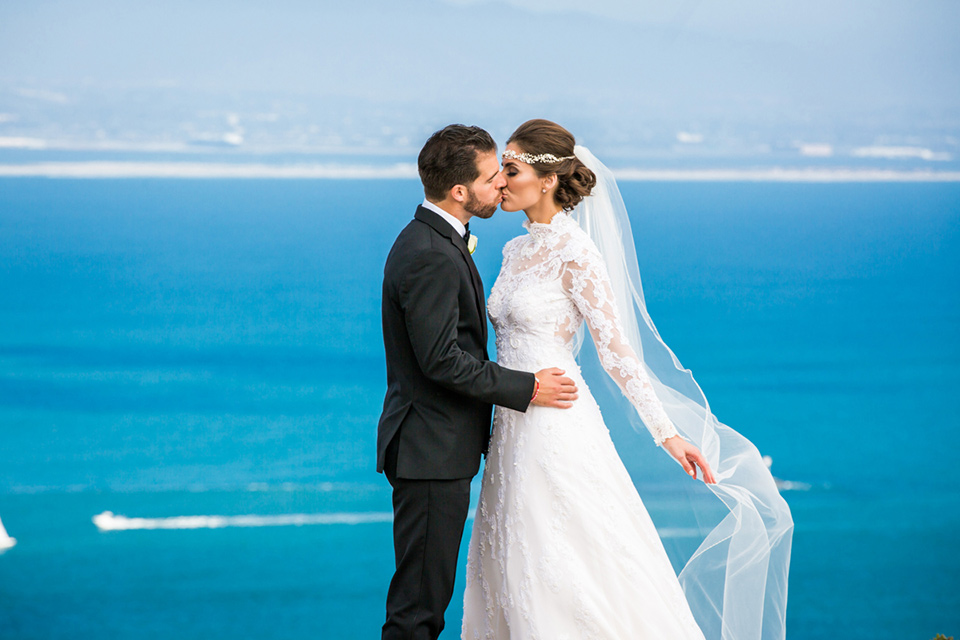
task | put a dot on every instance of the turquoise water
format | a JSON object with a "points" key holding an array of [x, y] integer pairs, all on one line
{"points": [[202, 347]]}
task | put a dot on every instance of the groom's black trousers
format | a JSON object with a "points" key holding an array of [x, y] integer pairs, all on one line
{"points": [[428, 520]]}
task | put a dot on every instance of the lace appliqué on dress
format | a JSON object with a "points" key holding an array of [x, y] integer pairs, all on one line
{"points": [[561, 253]]}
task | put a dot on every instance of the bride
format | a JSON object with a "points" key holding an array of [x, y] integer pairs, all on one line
{"points": [[562, 545]]}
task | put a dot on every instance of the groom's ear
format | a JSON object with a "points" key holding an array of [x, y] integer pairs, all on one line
{"points": [[459, 193]]}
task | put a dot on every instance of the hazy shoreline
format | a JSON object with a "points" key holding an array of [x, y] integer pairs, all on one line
{"points": [[339, 171]]}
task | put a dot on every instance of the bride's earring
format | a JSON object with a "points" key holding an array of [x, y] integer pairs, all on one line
{"points": [[544, 190]]}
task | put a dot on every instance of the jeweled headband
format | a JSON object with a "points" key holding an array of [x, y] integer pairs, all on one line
{"points": [[543, 158]]}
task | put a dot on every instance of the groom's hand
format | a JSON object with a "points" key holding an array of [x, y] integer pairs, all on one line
{"points": [[555, 389]]}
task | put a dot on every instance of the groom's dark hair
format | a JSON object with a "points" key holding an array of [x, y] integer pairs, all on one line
{"points": [[449, 158]]}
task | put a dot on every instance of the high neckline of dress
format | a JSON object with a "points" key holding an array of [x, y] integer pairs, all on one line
{"points": [[558, 223]]}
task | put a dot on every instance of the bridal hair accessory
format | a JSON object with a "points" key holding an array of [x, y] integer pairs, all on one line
{"points": [[529, 158], [735, 580]]}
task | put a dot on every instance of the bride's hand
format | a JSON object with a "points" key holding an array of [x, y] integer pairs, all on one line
{"points": [[555, 389], [689, 457]]}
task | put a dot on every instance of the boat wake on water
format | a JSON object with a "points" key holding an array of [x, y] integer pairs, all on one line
{"points": [[108, 521], [6, 542]]}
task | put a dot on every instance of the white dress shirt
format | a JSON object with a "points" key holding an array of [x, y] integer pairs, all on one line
{"points": [[456, 224]]}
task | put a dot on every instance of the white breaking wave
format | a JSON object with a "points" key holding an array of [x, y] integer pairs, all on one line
{"points": [[408, 171], [108, 521]]}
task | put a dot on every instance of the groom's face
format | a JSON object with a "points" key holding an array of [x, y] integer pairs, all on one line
{"points": [[483, 195]]}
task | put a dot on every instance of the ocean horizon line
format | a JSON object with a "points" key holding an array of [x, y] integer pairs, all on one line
{"points": [[408, 171]]}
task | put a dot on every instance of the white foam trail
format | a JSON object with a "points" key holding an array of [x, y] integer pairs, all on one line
{"points": [[408, 171], [790, 485], [6, 541], [108, 521], [785, 485]]}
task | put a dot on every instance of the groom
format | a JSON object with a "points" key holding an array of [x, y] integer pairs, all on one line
{"points": [[440, 383]]}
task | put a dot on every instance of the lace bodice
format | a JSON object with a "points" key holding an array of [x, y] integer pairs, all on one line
{"points": [[551, 280]]}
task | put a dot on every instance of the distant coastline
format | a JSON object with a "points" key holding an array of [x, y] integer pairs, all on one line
{"points": [[340, 171]]}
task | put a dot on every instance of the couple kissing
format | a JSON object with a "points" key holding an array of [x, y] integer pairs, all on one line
{"points": [[562, 545]]}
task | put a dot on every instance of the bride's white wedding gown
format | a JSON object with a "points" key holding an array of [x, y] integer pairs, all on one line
{"points": [[562, 546]]}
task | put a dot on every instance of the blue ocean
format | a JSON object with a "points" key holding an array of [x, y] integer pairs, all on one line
{"points": [[198, 364]]}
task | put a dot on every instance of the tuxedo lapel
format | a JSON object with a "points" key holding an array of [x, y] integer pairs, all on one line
{"points": [[477, 289], [443, 227]]}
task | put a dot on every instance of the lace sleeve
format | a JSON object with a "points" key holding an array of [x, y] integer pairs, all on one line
{"points": [[585, 279]]}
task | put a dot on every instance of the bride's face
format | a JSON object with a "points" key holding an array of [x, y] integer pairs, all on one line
{"points": [[524, 187]]}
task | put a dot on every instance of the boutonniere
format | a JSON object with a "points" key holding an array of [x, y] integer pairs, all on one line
{"points": [[472, 243]]}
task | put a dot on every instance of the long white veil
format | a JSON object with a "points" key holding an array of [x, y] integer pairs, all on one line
{"points": [[735, 579]]}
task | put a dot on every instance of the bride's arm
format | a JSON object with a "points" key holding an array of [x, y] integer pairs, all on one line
{"points": [[586, 281]]}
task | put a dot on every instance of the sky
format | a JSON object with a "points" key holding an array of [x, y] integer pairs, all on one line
{"points": [[770, 62], [477, 47]]}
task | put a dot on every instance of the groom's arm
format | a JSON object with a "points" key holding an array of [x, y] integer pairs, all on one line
{"points": [[428, 297]]}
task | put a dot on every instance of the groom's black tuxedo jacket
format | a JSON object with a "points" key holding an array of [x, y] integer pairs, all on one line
{"points": [[440, 384]]}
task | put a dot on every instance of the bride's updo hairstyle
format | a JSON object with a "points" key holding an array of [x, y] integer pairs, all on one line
{"points": [[542, 137]]}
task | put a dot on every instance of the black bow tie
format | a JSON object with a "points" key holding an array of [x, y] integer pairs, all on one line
{"points": [[466, 234]]}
